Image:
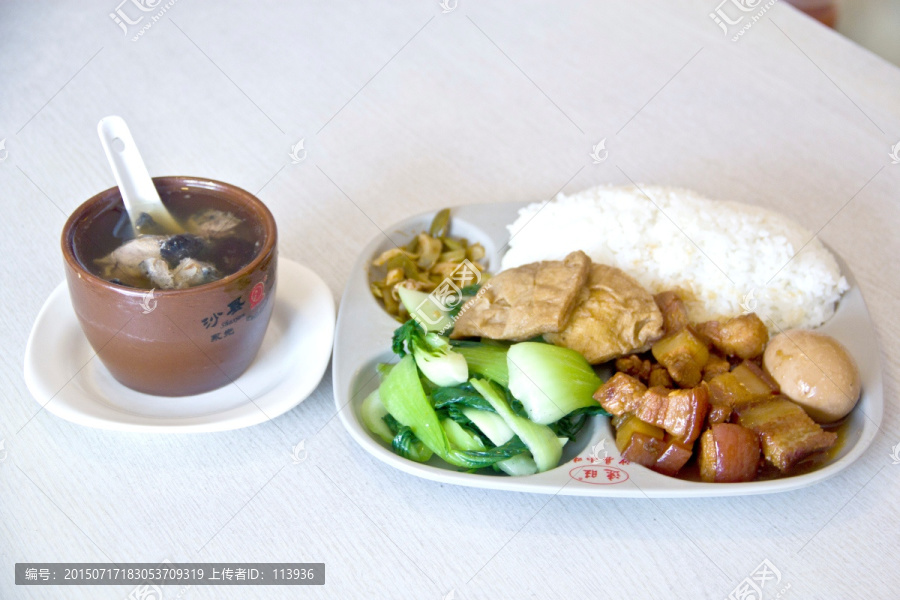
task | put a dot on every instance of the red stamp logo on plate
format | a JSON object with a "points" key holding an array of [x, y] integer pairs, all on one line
{"points": [[257, 294], [599, 474]]}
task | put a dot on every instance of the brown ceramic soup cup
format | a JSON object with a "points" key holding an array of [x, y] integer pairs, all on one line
{"points": [[172, 342]]}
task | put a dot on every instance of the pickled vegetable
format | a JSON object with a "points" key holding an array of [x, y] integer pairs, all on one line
{"points": [[423, 264]]}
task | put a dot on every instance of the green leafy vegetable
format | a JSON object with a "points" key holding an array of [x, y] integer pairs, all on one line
{"points": [[462, 396], [496, 430], [550, 381], [492, 456], [491, 424], [545, 447], [572, 423], [433, 354], [439, 363], [528, 400], [407, 445], [424, 310], [519, 465], [487, 360], [403, 335], [461, 437], [373, 413], [404, 398]]}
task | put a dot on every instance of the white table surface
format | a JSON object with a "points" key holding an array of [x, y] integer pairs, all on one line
{"points": [[403, 109]]}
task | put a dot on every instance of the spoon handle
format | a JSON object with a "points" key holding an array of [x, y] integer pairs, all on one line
{"points": [[138, 192]]}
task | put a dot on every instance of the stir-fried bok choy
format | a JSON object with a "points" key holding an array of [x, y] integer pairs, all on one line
{"points": [[476, 405]]}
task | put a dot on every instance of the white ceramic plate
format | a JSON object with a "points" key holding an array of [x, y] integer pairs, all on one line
{"points": [[68, 380], [363, 340]]}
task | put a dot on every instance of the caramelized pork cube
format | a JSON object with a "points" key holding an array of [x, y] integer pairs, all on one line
{"points": [[621, 394], [659, 377], [684, 355], [728, 390], [787, 434], [675, 316], [754, 379], [744, 336], [746, 383], [718, 413], [673, 456], [628, 425], [634, 366], [649, 445], [653, 406], [680, 412], [716, 365], [643, 450], [728, 453], [687, 412]]}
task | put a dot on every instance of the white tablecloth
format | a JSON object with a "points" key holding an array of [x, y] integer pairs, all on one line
{"points": [[403, 108]]}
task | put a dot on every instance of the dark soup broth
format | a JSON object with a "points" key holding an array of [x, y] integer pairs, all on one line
{"points": [[221, 238]]}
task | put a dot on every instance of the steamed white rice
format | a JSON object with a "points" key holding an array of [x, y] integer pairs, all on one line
{"points": [[727, 258]]}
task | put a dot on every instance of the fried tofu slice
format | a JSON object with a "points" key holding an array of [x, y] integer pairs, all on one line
{"points": [[526, 301], [614, 317], [787, 434]]}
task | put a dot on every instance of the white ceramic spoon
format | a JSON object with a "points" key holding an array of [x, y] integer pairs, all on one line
{"points": [[138, 192]]}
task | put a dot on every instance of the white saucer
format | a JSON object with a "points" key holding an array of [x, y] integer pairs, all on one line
{"points": [[68, 380]]}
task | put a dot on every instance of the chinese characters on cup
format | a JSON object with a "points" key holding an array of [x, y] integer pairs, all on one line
{"points": [[233, 312]]}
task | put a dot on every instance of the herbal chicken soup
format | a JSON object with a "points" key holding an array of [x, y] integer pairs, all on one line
{"points": [[218, 240]]}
